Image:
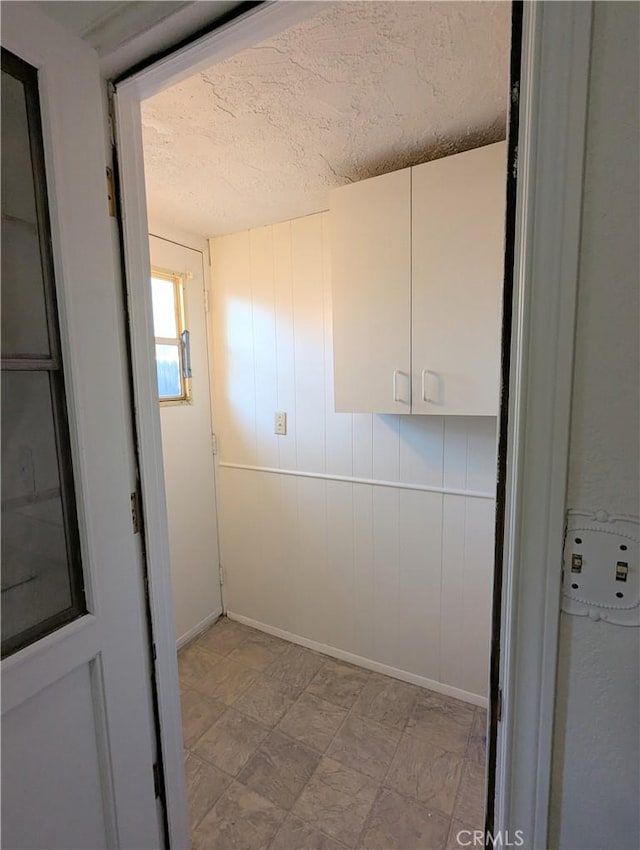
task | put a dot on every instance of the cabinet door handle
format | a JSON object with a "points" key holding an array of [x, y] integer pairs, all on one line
{"points": [[397, 372], [395, 385], [425, 397]]}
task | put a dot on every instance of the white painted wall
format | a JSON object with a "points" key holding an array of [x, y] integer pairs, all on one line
{"points": [[396, 576], [595, 788]]}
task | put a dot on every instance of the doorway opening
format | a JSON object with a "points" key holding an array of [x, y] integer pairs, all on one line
{"points": [[355, 516], [545, 481]]}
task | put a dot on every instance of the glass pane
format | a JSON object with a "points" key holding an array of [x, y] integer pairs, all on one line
{"points": [[18, 196], [38, 568], [24, 320], [163, 293], [168, 365]]}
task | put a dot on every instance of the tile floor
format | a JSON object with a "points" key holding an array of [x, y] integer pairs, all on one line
{"points": [[286, 749]]}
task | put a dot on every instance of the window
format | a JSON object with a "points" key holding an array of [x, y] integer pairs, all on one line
{"points": [[172, 339], [42, 580]]}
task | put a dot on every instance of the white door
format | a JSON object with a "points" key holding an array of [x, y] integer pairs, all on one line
{"points": [[77, 722], [188, 456], [371, 294], [458, 215]]}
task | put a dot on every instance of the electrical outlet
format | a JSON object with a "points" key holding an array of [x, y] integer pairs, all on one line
{"points": [[280, 423]]}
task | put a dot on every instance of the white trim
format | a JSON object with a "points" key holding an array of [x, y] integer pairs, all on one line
{"points": [[200, 627], [360, 661], [175, 27], [44, 662], [254, 26], [553, 102], [147, 412], [374, 482]]}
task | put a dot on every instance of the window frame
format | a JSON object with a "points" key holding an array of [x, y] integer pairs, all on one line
{"points": [[52, 365], [181, 326]]}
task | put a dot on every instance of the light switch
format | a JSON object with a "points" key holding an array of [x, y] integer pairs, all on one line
{"points": [[280, 423], [601, 575]]}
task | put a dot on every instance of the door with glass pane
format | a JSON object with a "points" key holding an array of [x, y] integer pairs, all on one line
{"points": [[77, 719], [177, 290]]}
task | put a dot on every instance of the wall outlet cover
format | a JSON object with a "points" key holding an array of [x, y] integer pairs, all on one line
{"points": [[280, 423], [600, 577]]}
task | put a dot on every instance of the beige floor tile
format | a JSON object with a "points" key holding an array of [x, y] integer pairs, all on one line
{"points": [[296, 665], [240, 820], [397, 823], [477, 743], [296, 835], [338, 683], [196, 667], [365, 746], [313, 721], [445, 722], [227, 682], [446, 705], [198, 714], [256, 653], [223, 637], [337, 801], [387, 701], [462, 835], [205, 784], [469, 805], [267, 700], [426, 773], [275, 644], [231, 741], [280, 769]]}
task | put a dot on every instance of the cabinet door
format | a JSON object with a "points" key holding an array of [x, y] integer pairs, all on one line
{"points": [[458, 208], [371, 275]]}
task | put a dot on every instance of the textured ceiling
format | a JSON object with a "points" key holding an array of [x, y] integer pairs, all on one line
{"points": [[358, 90]]}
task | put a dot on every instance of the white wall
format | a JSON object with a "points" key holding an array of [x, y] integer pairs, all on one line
{"points": [[595, 787], [397, 576]]}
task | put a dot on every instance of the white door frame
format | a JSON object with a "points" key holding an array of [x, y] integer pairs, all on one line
{"points": [[556, 50], [552, 101]]}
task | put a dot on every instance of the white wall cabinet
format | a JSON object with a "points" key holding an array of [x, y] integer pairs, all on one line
{"points": [[417, 271], [371, 273]]}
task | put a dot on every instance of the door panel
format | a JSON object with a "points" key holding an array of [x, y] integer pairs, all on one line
{"points": [[458, 249], [69, 799], [188, 459], [371, 265], [78, 743]]}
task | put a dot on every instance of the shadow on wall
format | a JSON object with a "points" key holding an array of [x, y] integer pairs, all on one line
{"points": [[431, 149]]}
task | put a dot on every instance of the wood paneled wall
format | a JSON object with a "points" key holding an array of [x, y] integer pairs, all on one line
{"points": [[396, 576]]}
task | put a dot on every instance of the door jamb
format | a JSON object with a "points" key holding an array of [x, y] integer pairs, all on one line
{"points": [[552, 103], [556, 51]]}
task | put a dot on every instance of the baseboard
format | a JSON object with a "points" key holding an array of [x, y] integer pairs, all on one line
{"points": [[367, 663], [193, 633]]}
